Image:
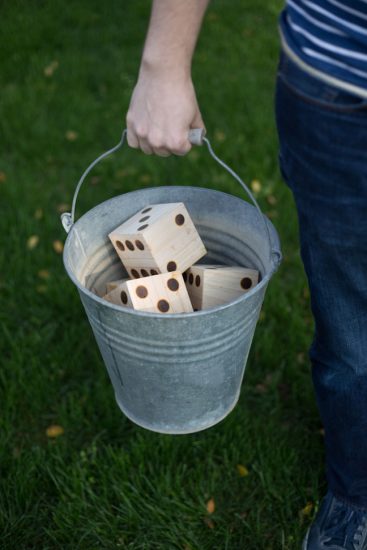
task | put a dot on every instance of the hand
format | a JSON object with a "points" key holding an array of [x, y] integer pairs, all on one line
{"points": [[162, 110]]}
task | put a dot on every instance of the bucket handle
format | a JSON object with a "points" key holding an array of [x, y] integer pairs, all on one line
{"points": [[196, 137]]}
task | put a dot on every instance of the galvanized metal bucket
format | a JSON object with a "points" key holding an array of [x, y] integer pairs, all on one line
{"points": [[173, 373]]}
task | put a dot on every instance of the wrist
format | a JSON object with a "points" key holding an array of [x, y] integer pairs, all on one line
{"points": [[163, 67]]}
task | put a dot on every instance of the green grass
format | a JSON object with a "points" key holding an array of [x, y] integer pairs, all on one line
{"points": [[106, 483]]}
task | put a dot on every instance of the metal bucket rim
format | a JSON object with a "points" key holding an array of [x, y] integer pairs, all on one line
{"points": [[149, 314]]}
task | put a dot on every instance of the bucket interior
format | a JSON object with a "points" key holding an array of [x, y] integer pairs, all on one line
{"points": [[231, 229]]}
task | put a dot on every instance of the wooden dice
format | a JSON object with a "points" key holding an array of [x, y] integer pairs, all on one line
{"points": [[163, 293], [159, 247], [160, 238], [212, 285]]}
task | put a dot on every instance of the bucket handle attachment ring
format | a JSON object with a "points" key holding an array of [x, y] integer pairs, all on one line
{"points": [[196, 137]]}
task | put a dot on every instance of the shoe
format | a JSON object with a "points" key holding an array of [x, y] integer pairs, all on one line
{"points": [[337, 526]]}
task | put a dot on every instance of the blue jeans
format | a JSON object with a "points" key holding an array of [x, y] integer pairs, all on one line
{"points": [[323, 158]]}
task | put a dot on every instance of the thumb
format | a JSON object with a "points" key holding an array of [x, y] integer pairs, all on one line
{"points": [[198, 121]]}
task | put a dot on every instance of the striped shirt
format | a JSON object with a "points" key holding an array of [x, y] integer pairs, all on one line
{"points": [[329, 39]]}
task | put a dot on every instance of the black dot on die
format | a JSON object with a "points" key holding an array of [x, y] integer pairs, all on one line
{"points": [[141, 291], [197, 280], [153, 272], [191, 278], [180, 219], [129, 245], [144, 273], [173, 284], [246, 283], [171, 266], [123, 297], [139, 245], [120, 245], [135, 273], [146, 210], [144, 218], [163, 306], [142, 227]]}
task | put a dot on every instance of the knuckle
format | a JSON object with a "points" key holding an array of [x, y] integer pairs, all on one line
{"points": [[155, 141], [180, 147], [141, 131]]}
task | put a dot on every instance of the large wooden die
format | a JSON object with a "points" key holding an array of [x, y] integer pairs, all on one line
{"points": [[163, 293], [213, 285], [160, 238]]}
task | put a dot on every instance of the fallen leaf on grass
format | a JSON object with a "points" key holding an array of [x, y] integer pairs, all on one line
{"points": [[58, 247], [41, 289], [71, 135], [210, 506], [219, 135], [272, 214], [123, 172], [209, 523], [54, 431], [32, 242], [307, 510], [63, 207], [256, 186], [51, 68], [44, 274], [271, 200], [2, 177], [242, 470], [38, 214], [145, 178]]}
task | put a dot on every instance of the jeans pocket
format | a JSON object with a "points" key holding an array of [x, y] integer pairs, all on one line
{"points": [[316, 92]]}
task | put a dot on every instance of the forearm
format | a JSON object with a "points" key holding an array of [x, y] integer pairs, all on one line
{"points": [[163, 106], [173, 31]]}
